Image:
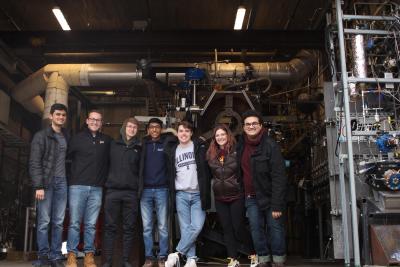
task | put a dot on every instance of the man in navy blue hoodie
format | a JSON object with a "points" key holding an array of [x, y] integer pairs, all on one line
{"points": [[154, 192]]}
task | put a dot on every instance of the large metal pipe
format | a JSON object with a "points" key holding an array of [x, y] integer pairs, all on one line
{"points": [[29, 90], [96, 74], [359, 60], [288, 72], [279, 72]]}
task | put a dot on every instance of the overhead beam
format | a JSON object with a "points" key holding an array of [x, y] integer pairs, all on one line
{"points": [[261, 40]]}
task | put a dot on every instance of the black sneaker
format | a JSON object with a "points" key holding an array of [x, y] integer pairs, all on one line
{"points": [[126, 264], [41, 262], [57, 263]]}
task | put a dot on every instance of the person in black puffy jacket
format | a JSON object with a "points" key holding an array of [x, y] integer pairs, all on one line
{"points": [[228, 192], [122, 191]]}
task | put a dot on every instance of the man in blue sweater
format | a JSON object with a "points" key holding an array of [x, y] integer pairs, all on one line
{"points": [[154, 192]]}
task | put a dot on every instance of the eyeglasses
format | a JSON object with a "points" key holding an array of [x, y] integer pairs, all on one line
{"points": [[94, 120], [252, 124]]}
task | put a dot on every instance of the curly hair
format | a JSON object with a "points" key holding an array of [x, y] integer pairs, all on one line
{"points": [[212, 151]]}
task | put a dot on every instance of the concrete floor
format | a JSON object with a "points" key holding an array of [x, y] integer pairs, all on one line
{"points": [[298, 262]]}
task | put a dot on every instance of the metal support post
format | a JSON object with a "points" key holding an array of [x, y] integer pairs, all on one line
{"points": [[365, 231], [320, 233], [345, 220], [346, 99]]}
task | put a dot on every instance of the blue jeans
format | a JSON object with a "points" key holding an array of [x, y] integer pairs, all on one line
{"points": [[51, 210], [268, 233], [84, 202], [191, 218], [157, 199]]}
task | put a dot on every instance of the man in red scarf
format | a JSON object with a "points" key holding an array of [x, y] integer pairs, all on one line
{"points": [[262, 170]]}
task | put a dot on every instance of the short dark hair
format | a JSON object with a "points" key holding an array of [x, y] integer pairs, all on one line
{"points": [[58, 106], [156, 120], [95, 111], [186, 125], [252, 113]]}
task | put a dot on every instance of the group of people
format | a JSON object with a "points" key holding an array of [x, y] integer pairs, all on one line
{"points": [[163, 172]]}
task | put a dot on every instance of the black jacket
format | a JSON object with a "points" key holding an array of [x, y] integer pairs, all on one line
{"points": [[226, 186], [163, 140], [268, 172], [42, 158], [90, 158], [203, 171], [124, 165]]}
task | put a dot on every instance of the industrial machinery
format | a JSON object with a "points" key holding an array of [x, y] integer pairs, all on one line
{"points": [[363, 131]]}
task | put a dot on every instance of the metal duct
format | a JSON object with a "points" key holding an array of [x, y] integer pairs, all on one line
{"points": [[286, 72], [171, 78], [279, 72], [29, 90], [96, 74]]}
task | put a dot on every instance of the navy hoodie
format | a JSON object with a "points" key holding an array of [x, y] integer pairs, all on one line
{"points": [[155, 175]]}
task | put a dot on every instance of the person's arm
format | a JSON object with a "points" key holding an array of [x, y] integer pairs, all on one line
{"points": [[279, 180], [36, 166], [71, 147]]}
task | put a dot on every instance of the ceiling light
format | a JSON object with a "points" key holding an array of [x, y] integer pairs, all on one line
{"points": [[239, 18], [99, 92], [61, 19]]}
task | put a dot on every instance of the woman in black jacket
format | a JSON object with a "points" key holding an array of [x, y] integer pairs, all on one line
{"points": [[122, 191], [228, 194]]}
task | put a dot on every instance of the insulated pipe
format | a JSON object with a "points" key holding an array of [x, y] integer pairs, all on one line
{"points": [[96, 74], [34, 105], [29, 90], [280, 72], [287, 72], [56, 92], [359, 60]]}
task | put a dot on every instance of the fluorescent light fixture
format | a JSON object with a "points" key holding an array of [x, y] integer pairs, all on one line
{"points": [[239, 18], [61, 19], [99, 92]]}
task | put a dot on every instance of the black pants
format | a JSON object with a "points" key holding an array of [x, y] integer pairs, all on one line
{"points": [[115, 202], [231, 217]]}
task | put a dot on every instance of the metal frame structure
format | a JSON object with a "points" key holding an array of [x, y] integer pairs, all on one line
{"points": [[347, 156]]}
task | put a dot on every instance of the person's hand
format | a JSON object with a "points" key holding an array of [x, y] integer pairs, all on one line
{"points": [[39, 194], [276, 214]]}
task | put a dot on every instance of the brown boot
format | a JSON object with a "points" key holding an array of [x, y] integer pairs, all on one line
{"points": [[89, 260], [71, 260]]}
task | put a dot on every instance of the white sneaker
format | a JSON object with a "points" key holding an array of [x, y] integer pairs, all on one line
{"points": [[173, 260], [233, 262], [190, 263], [253, 260]]}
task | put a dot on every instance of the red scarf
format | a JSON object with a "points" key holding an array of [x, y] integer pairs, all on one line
{"points": [[250, 146]]}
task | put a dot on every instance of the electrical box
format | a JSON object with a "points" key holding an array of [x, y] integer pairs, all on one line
{"points": [[4, 107]]}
